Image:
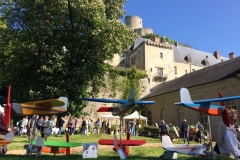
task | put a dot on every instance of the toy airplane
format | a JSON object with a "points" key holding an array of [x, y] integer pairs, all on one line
{"points": [[123, 107], [119, 110], [43, 107], [7, 139], [203, 106], [184, 148], [125, 143], [55, 146]]}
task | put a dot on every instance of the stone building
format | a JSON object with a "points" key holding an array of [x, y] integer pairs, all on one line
{"points": [[205, 83]]}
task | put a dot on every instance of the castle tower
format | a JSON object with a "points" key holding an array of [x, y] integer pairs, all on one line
{"points": [[133, 22]]}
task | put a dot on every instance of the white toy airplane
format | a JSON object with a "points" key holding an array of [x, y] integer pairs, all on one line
{"points": [[184, 148]]}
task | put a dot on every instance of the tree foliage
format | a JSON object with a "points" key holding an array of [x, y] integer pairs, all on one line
{"points": [[151, 36], [59, 48]]}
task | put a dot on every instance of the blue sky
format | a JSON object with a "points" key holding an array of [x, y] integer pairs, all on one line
{"points": [[206, 25]]}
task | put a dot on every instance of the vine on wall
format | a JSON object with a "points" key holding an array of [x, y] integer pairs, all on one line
{"points": [[121, 80]]}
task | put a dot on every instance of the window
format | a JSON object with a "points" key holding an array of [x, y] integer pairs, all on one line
{"points": [[161, 55], [150, 69], [185, 71], [162, 114], [160, 72], [204, 120], [149, 116], [175, 69], [138, 57], [193, 70], [180, 115]]}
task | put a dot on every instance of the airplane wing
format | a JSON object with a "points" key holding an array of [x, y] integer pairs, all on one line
{"points": [[124, 142], [44, 107], [45, 103], [217, 99], [144, 102], [4, 142], [60, 144], [211, 100], [122, 101]]}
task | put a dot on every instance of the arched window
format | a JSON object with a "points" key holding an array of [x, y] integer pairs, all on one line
{"points": [[180, 115], [149, 117], [162, 114]]}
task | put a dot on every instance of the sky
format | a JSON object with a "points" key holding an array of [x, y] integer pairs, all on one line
{"points": [[206, 25]]}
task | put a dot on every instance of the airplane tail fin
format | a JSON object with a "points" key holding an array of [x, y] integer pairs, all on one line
{"points": [[166, 141], [224, 114], [65, 99], [40, 142], [185, 96], [131, 96], [9, 136]]}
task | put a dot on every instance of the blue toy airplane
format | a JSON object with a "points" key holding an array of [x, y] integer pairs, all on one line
{"points": [[123, 107], [203, 106]]}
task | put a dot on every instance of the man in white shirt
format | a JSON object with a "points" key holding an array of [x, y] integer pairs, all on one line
{"points": [[86, 131], [227, 139]]}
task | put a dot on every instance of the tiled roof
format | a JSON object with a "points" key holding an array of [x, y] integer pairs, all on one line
{"points": [[197, 56], [219, 71]]}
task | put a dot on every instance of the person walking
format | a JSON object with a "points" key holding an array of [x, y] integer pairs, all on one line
{"points": [[97, 124], [185, 131], [50, 126], [60, 125], [199, 132], [109, 127], [163, 128], [21, 125], [46, 127], [32, 129]]}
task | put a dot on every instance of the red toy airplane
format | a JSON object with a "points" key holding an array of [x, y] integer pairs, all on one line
{"points": [[125, 143]]}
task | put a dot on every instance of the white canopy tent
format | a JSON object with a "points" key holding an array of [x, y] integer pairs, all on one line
{"points": [[137, 116], [112, 118]]}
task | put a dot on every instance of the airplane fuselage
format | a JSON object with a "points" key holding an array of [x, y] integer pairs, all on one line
{"points": [[188, 149], [206, 108]]}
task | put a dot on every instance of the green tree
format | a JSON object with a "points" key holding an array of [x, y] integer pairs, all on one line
{"points": [[59, 48]]}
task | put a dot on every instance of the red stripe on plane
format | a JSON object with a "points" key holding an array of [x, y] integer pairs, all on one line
{"points": [[105, 109]]}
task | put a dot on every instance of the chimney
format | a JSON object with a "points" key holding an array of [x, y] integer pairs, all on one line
{"points": [[206, 61], [157, 39], [176, 44], [217, 55], [231, 55]]}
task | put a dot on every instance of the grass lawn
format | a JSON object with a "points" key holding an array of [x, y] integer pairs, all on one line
{"points": [[151, 151]]}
